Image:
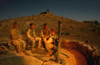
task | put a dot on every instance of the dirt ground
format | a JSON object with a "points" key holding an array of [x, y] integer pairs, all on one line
{"points": [[80, 59], [75, 57], [72, 57]]}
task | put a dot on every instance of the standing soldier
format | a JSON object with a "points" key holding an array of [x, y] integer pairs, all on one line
{"points": [[17, 39]]}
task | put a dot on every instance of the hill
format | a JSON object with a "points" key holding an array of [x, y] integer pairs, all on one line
{"points": [[71, 29]]}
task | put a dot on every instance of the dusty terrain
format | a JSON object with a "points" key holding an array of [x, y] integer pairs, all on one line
{"points": [[71, 29], [11, 58]]}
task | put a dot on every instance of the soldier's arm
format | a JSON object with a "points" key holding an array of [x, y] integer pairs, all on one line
{"points": [[27, 33], [49, 32], [34, 33]]}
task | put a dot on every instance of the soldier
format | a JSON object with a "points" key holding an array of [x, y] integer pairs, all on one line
{"points": [[17, 39], [50, 43], [54, 42], [32, 38], [52, 33], [45, 34]]}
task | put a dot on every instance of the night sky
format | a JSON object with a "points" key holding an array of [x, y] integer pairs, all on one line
{"points": [[74, 9]]}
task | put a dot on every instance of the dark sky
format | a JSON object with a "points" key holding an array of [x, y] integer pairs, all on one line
{"points": [[75, 9]]}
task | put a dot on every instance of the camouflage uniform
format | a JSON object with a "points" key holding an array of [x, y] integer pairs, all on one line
{"points": [[45, 32]]}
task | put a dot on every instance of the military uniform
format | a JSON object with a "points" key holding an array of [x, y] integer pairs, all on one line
{"points": [[32, 38], [17, 40], [45, 35]]}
